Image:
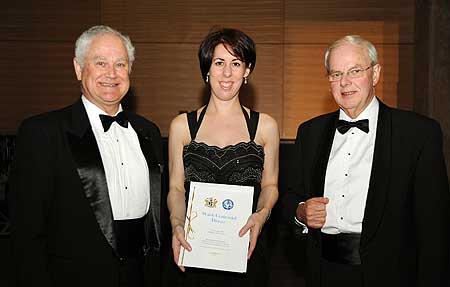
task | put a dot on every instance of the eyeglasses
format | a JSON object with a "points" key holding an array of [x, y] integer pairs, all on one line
{"points": [[353, 74]]}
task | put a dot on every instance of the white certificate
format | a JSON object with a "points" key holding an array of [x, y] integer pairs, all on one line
{"points": [[214, 216]]}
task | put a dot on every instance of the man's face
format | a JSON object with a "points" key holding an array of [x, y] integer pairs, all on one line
{"points": [[104, 76], [353, 95]]}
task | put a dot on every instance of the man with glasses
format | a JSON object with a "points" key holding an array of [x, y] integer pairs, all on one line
{"points": [[371, 193]]}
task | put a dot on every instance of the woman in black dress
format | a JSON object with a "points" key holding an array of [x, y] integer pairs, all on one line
{"points": [[225, 142]]}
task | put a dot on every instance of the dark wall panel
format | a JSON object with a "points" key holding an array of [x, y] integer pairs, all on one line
{"points": [[181, 21], [291, 36]]}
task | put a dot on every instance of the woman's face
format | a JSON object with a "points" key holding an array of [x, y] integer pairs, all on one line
{"points": [[226, 74]]}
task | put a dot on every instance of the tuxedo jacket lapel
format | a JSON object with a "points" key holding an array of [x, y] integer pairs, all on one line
{"points": [[380, 176], [90, 169], [320, 162], [324, 149]]}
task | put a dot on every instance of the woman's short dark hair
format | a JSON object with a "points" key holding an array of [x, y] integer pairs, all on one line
{"points": [[241, 45]]}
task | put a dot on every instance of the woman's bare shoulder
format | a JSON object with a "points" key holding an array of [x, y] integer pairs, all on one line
{"points": [[179, 129], [267, 121]]}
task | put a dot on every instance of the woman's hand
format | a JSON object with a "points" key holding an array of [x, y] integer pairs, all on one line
{"points": [[255, 224], [178, 240]]}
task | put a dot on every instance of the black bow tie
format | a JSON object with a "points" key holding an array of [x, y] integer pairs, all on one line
{"points": [[120, 118], [343, 126]]}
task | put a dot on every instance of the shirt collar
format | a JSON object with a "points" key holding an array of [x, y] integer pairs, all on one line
{"points": [[93, 113], [370, 113]]}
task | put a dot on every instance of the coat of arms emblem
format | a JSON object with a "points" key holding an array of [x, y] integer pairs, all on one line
{"points": [[210, 202]]}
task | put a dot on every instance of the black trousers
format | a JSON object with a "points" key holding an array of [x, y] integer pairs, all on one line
{"points": [[337, 275], [130, 239], [131, 273]]}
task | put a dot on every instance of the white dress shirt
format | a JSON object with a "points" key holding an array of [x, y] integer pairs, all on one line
{"points": [[348, 174], [126, 169]]}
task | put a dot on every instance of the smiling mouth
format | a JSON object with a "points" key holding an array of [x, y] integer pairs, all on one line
{"points": [[226, 85], [109, 85], [348, 93]]}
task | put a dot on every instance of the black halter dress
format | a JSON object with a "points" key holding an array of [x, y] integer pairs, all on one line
{"points": [[239, 164]]}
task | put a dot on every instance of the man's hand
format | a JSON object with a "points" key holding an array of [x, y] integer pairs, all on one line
{"points": [[312, 212]]}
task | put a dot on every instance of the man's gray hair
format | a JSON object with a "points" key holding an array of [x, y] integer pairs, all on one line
{"points": [[356, 40], [84, 41]]}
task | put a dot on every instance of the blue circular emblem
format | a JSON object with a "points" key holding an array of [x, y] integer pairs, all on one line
{"points": [[228, 204]]}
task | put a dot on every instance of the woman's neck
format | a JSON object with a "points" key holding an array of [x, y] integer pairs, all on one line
{"points": [[219, 107]]}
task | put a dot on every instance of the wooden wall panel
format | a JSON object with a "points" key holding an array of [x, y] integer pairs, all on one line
{"points": [[47, 20], [188, 21], [291, 35], [166, 80], [39, 78], [311, 21], [37, 47], [397, 74], [265, 90], [406, 74], [305, 86]]}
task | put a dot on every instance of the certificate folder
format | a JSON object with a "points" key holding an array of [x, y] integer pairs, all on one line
{"points": [[214, 216]]}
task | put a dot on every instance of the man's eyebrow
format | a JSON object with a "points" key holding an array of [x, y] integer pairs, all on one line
{"points": [[351, 68], [125, 59], [356, 66], [122, 59], [98, 58]]}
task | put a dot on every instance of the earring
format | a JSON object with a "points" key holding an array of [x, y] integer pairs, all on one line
{"points": [[207, 78], [245, 81]]}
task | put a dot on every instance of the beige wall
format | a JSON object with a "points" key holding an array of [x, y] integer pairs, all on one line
{"points": [[291, 35]]}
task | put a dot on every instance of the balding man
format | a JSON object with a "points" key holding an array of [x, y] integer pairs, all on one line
{"points": [[371, 191]]}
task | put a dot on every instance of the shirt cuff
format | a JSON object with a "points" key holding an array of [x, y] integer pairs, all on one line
{"points": [[301, 224]]}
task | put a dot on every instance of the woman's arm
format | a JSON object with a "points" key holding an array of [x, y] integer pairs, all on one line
{"points": [[178, 138], [268, 135]]}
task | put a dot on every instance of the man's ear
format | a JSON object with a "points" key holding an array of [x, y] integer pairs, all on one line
{"points": [[78, 69], [376, 74]]}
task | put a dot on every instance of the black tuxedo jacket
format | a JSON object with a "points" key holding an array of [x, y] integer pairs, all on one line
{"points": [[62, 223], [405, 232]]}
